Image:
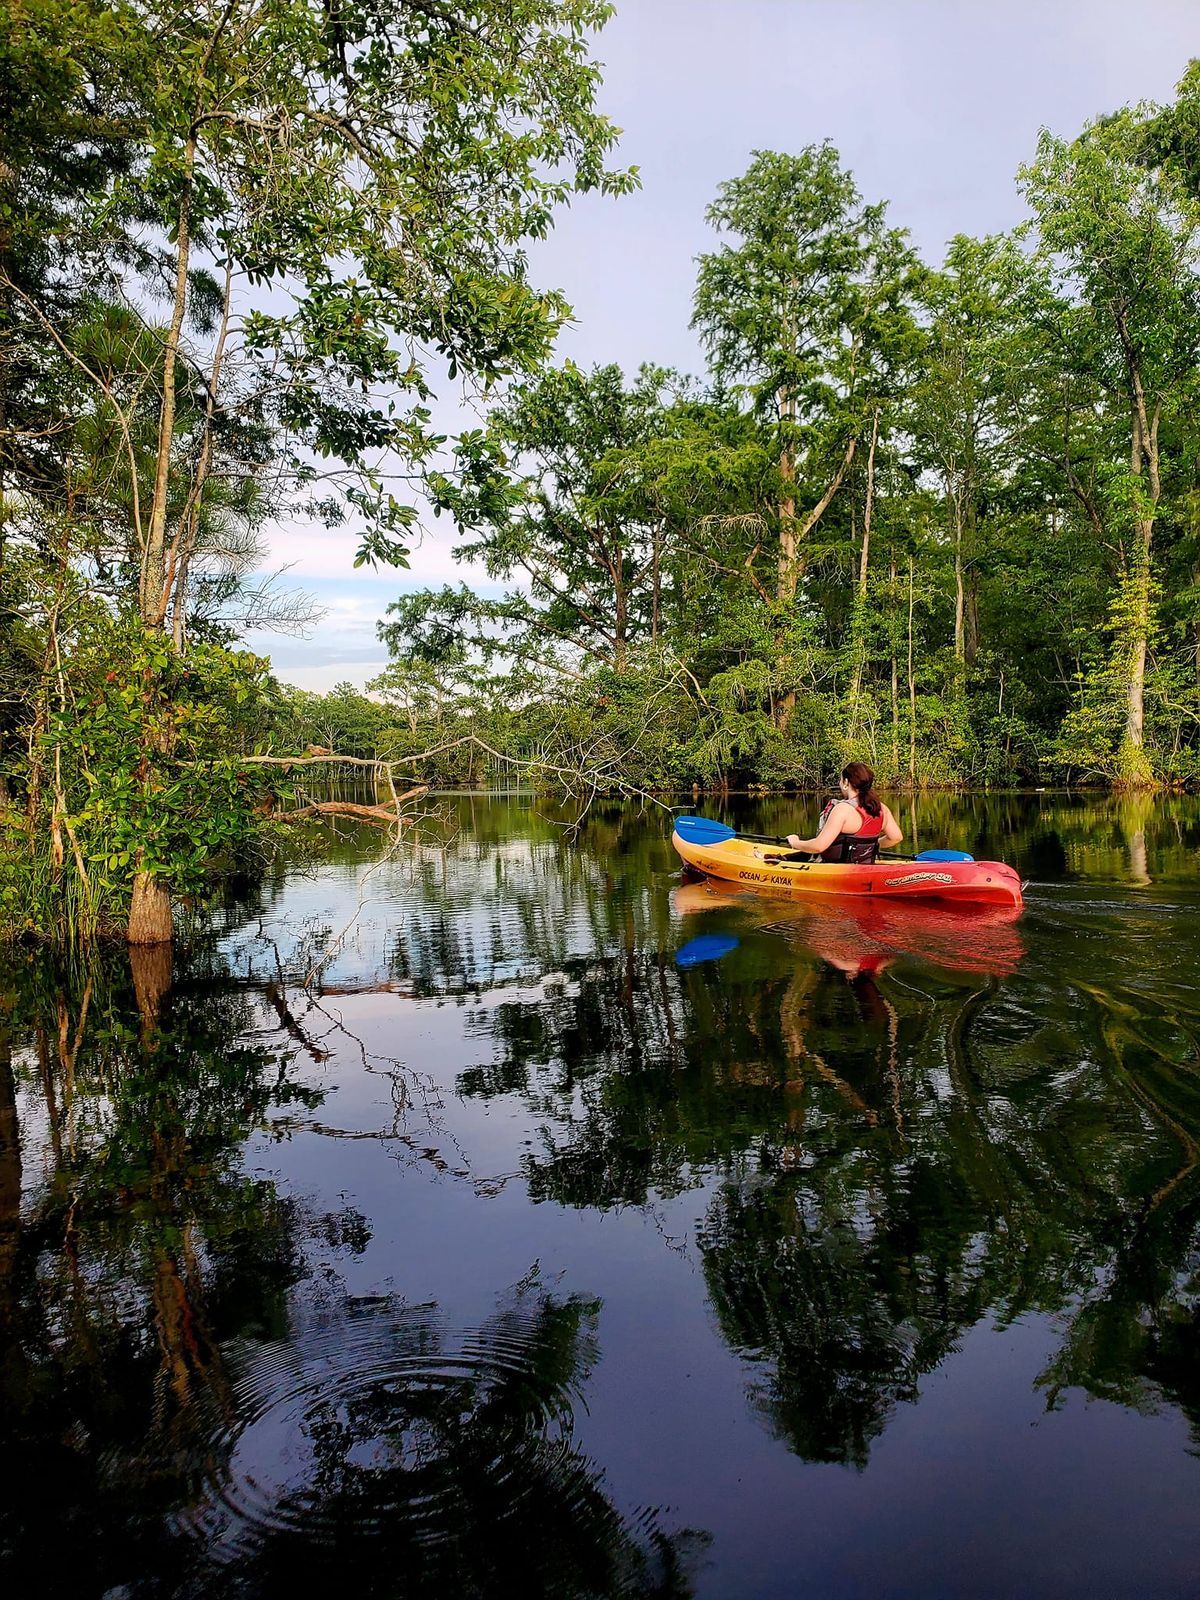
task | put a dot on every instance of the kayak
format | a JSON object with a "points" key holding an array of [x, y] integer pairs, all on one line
{"points": [[714, 850]]}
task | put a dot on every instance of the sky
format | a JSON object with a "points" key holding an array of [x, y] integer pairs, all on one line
{"points": [[932, 104]]}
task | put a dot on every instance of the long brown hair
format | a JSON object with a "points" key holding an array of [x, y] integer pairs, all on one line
{"points": [[860, 777]]}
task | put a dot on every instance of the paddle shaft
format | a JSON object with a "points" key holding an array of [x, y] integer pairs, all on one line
{"points": [[773, 838], [797, 855]]}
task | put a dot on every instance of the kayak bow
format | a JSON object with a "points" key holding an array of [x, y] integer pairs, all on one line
{"points": [[716, 851]]}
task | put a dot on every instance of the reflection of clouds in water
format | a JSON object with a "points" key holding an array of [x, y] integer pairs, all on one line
{"points": [[457, 917]]}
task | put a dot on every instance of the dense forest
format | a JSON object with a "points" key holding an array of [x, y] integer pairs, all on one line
{"points": [[945, 519], [239, 242]]}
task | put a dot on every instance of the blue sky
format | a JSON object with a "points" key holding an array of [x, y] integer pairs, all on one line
{"points": [[933, 104]]}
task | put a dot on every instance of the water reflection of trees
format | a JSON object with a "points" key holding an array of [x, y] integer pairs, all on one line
{"points": [[876, 1162], [886, 1162], [140, 1244], [148, 1281]]}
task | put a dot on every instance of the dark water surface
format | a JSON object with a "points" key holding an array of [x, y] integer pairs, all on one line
{"points": [[855, 1253]]}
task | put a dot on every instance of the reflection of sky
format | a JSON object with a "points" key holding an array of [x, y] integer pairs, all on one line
{"points": [[933, 105], [503, 917]]}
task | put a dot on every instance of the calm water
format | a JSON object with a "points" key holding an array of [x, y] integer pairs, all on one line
{"points": [[535, 1249]]}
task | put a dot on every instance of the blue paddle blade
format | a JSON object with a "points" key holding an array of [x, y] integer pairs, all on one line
{"points": [[708, 947], [702, 830], [944, 855]]}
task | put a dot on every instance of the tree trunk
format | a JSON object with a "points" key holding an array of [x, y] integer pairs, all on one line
{"points": [[860, 603], [656, 583], [1133, 764], [971, 585], [912, 687], [149, 911], [959, 593], [153, 596], [150, 907], [620, 626], [867, 509], [788, 575], [176, 578], [895, 669], [787, 590]]}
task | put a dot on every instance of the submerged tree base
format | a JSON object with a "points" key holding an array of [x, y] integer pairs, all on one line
{"points": [[1134, 770], [150, 920]]}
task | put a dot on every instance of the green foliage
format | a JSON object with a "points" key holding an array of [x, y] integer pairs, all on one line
{"points": [[166, 733], [812, 290], [240, 243], [945, 521], [140, 767]]}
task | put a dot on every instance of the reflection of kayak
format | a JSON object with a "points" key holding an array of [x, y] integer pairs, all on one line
{"points": [[867, 935], [761, 867], [706, 947], [871, 934]]}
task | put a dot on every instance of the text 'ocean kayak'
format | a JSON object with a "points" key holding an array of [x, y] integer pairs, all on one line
{"points": [[714, 850]]}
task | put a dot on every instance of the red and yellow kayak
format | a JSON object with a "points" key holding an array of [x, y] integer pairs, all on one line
{"points": [[765, 868]]}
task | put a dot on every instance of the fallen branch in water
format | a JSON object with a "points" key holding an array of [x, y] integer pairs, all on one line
{"points": [[582, 776], [384, 816], [381, 816]]}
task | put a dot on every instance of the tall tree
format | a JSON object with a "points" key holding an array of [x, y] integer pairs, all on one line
{"points": [[959, 410], [1124, 239], [556, 498], [793, 312], [307, 219]]}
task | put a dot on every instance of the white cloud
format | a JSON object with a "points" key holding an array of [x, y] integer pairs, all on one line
{"points": [[320, 679], [310, 551]]}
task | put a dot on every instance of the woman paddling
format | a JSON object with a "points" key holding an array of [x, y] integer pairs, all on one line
{"points": [[854, 827]]}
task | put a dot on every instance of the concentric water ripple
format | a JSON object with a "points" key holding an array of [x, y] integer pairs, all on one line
{"points": [[387, 1445]]}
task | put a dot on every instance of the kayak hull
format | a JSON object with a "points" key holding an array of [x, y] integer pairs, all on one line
{"points": [[759, 866]]}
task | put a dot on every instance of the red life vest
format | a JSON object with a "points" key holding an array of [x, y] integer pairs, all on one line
{"points": [[861, 848]]}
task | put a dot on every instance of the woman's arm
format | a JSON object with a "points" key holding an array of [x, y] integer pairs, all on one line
{"points": [[835, 823], [892, 832]]}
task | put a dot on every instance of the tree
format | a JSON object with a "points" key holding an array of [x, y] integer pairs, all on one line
{"points": [[1124, 240], [559, 498], [795, 314], [260, 234], [959, 409]]}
